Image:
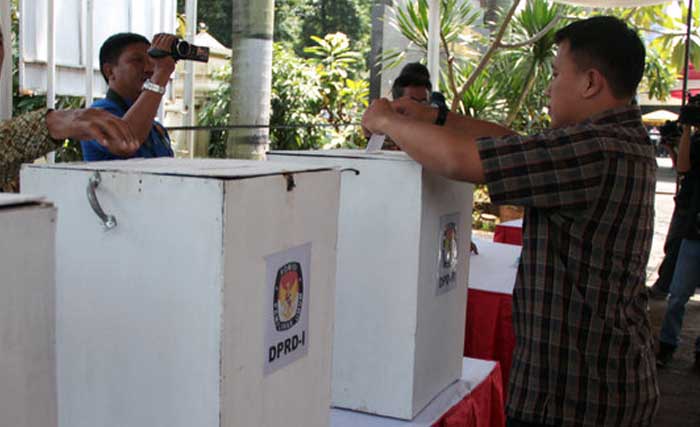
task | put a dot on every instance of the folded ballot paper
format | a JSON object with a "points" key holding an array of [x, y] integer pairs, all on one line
{"points": [[375, 143]]}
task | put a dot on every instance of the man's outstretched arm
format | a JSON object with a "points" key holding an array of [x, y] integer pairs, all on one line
{"points": [[32, 135], [450, 151]]}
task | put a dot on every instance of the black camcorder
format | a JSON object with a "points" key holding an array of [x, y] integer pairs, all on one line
{"points": [[181, 49], [690, 112], [670, 132]]}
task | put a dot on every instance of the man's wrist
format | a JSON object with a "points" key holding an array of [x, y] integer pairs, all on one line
{"points": [[55, 124], [151, 86], [441, 115], [387, 121], [161, 79]]}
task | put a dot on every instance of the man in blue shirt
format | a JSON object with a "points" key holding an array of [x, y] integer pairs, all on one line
{"points": [[136, 86]]}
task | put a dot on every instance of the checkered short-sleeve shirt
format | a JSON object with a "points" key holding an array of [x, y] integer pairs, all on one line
{"points": [[584, 354]]}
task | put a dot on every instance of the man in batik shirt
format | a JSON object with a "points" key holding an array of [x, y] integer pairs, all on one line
{"points": [[32, 135]]}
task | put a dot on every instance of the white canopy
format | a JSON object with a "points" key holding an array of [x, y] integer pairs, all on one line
{"points": [[659, 117], [613, 3]]}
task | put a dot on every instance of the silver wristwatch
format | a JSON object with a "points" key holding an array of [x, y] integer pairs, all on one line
{"points": [[149, 85]]}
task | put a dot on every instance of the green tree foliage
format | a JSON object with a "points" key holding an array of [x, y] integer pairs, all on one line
{"points": [[289, 20], [351, 17], [324, 92], [217, 14], [296, 20], [497, 89]]}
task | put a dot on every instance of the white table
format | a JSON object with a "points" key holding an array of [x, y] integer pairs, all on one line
{"points": [[474, 371], [495, 267]]}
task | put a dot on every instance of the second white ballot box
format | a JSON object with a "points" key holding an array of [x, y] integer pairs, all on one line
{"points": [[403, 247], [193, 292], [27, 362]]}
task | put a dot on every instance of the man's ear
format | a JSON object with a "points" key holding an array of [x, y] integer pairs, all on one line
{"points": [[108, 70], [594, 83]]}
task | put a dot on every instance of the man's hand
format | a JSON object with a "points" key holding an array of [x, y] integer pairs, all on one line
{"points": [[415, 110], [376, 117], [164, 66], [110, 131]]}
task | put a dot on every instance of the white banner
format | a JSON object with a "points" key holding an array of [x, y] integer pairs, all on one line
{"points": [[110, 17], [613, 3]]}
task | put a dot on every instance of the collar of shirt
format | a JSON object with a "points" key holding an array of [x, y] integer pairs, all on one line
{"points": [[121, 102], [626, 116]]}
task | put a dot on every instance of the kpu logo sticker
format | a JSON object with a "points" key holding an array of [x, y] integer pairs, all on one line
{"points": [[448, 253], [289, 296], [287, 314]]}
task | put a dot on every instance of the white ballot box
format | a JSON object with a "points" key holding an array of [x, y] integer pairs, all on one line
{"points": [[403, 247], [27, 362], [193, 292]]}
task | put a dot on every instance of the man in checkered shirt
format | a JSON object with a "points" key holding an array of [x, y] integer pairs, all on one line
{"points": [[584, 353]]}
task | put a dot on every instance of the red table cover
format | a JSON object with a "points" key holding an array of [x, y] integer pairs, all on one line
{"points": [[489, 329], [510, 235], [483, 407]]}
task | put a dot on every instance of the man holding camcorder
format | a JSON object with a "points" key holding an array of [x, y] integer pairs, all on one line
{"points": [[686, 275], [137, 73]]}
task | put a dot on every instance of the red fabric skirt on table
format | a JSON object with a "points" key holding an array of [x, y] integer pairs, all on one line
{"points": [[483, 407], [489, 329]]}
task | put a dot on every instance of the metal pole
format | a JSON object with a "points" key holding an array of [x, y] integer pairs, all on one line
{"points": [[51, 63], [434, 42], [191, 13], [686, 66], [375, 78], [51, 54], [6, 74], [89, 40], [161, 28]]}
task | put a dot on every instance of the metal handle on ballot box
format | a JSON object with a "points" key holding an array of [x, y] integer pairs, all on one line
{"points": [[109, 221]]}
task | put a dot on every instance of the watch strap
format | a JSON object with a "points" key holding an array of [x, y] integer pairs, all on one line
{"points": [[150, 86], [442, 115]]}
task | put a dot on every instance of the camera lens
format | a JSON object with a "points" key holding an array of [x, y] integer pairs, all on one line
{"points": [[183, 49]]}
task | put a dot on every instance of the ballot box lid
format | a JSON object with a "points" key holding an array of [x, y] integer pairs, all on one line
{"points": [[399, 156], [11, 200], [205, 168]]}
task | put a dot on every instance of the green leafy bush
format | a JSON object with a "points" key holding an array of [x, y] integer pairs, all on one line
{"points": [[323, 93]]}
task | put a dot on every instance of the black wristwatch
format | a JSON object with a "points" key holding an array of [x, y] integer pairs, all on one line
{"points": [[442, 114]]}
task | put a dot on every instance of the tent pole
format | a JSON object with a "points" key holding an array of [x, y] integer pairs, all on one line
{"points": [[689, 27], [434, 43]]}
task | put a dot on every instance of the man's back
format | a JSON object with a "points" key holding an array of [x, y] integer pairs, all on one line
{"points": [[584, 352]]}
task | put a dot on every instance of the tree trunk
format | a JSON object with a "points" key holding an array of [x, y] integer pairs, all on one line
{"points": [[251, 77]]}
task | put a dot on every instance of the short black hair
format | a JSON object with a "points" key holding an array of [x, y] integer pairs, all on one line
{"points": [[412, 74], [113, 47], [611, 47]]}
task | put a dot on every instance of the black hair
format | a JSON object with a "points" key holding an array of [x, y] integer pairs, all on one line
{"points": [[112, 48], [611, 47], [412, 74]]}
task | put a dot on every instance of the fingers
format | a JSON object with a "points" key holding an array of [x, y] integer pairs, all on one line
{"points": [[118, 137], [163, 41], [366, 132], [410, 108], [110, 131], [377, 116]]}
